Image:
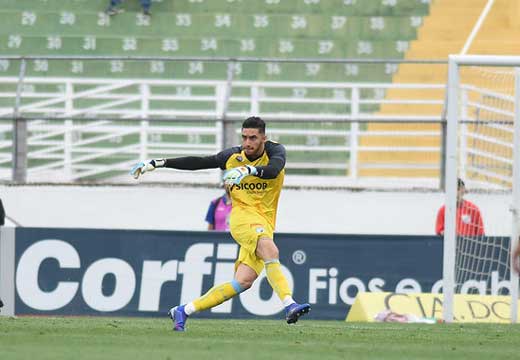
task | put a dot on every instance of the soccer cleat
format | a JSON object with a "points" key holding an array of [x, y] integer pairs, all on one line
{"points": [[178, 317], [294, 311]]}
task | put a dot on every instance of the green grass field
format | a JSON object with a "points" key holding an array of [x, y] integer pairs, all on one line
{"points": [[132, 339]]}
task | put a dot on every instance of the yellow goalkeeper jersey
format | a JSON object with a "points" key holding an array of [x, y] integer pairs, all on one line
{"points": [[255, 196]]}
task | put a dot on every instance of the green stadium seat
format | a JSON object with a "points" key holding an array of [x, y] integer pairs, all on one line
{"points": [[202, 46], [225, 25], [339, 7], [319, 29], [267, 28], [203, 70]]}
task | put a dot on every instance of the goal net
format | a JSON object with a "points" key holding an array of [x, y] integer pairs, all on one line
{"points": [[481, 222]]}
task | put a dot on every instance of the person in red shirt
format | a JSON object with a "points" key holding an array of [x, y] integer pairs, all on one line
{"points": [[469, 219]]}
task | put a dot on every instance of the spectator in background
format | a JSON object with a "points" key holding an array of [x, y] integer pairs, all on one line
{"points": [[114, 9], [219, 211], [469, 219]]}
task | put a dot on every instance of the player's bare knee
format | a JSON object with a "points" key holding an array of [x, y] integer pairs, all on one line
{"points": [[245, 276], [245, 283], [268, 255], [245, 280], [267, 249], [273, 253]]}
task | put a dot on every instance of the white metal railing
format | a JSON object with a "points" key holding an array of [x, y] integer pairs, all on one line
{"points": [[69, 149], [62, 103]]}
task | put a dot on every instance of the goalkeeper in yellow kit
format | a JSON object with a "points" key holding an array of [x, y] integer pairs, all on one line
{"points": [[254, 174]]}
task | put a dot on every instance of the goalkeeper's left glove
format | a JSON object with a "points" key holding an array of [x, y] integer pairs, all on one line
{"points": [[234, 176], [142, 167]]}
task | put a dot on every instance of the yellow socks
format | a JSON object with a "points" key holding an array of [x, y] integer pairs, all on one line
{"points": [[220, 293], [277, 279], [217, 295]]}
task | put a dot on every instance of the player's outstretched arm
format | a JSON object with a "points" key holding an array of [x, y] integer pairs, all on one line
{"points": [[183, 163], [145, 166]]}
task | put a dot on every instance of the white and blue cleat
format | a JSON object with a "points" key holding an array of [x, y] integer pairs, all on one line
{"points": [[294, 311], [178, 317]]}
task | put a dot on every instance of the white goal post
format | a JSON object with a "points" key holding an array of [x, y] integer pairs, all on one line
{"points": [[483, 149]]}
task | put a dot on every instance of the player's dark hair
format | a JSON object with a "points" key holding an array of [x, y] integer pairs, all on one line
{"points": [[460, 183], [254, 122]]}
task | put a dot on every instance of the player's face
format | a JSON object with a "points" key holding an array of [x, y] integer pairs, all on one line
{"points": [[253, 142]]}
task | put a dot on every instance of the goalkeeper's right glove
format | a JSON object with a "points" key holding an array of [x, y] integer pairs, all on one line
{"points": [[235, 175], [142, 167]]}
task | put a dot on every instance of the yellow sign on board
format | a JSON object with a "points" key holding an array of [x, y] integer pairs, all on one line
{"points": [[467, 308]]}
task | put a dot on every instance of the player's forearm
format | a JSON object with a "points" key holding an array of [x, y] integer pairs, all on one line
{"points": [[182, 163], [271, 170], [192, 163]]}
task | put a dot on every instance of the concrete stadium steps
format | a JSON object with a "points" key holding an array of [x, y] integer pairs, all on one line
{"points": [[391, 157], [403, 140], [411, 95], [444, 32], [417, 173], [391, 127], [406, 109], [500, 33], [421, 74], [492, 47], [430, 49], [501, 25], [390, 163]]}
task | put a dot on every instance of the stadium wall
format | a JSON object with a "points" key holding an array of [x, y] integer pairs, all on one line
{"points": [[143, 273], [184, 208]]}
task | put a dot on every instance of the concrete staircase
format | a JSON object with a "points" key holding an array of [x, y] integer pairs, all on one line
{"points": [[444, 32]]}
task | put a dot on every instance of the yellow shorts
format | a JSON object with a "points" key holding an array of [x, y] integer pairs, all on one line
{"points": [[247, 235]]}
